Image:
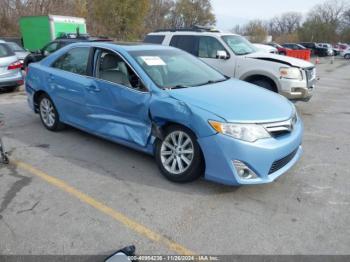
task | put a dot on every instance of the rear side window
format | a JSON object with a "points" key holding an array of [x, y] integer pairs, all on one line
{"points": [[74, 61], [5, 50], [187, 43], [154, 39]]}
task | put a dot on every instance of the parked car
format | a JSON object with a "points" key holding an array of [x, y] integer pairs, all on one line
{"points": [[281, 49], [10, 69], [19, 51], [266, 48], [57, 44], [345, 53], [315, 49], [329, 48], [294, 46], [165, 102], [235, 56]]}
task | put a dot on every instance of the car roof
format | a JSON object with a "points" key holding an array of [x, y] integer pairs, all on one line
{"points": [[183, 32], [127, 46]]}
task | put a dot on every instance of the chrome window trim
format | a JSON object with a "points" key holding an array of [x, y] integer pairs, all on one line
{"points": [[123, 58], [95, 78]]}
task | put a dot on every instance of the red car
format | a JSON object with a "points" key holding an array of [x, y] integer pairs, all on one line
{"points": [[281, 50]]}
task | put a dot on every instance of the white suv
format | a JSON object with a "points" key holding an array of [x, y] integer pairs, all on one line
{"points": [[236, 57]]}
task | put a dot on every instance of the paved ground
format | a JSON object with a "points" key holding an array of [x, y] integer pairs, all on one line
{"points": [[307, 211]]}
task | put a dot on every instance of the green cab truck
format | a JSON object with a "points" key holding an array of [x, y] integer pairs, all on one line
{"points": [[37, 31]]}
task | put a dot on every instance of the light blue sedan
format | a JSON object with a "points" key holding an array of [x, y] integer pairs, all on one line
{"points": [[165, 102]]}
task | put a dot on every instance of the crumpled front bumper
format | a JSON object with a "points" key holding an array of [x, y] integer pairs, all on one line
{"points": [[220, 151]]}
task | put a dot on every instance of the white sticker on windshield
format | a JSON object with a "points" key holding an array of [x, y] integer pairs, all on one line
{"points": [[153, 60]]}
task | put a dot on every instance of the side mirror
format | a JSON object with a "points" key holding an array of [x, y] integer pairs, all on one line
{"points": [[221, 54], [46, 53]]}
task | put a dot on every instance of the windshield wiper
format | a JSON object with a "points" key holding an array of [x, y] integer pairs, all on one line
{"points": [[246, 53], [213, 81], [177, 87]]}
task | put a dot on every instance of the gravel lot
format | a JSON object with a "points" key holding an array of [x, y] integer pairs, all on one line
{"points": [[306, 211]]}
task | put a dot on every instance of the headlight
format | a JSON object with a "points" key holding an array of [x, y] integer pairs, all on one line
{"points": [[291, 73], [245, 132]]}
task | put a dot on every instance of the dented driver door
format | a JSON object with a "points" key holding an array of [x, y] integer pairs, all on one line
{"points": [[118, 112]]}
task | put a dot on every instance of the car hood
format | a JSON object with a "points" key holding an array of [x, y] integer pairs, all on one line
{"points": [[237, 101], [291, 61]]}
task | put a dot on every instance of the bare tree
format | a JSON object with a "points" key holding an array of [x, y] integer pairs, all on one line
{"points": [[158, 15], [324, 22], [287, 23]]}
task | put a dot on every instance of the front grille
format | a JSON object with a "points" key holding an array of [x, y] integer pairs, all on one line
{"points": [[278, 164], [277, 129]]}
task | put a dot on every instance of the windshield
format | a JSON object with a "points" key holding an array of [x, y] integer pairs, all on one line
{"points": [[176, 68], [15, 47], [239, 45]]}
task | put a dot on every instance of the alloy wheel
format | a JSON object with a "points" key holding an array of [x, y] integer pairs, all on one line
{"points": [[177, 152], [47, 112]]}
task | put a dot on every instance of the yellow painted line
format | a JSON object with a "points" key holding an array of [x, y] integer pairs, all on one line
{"points": [[130, 223]]}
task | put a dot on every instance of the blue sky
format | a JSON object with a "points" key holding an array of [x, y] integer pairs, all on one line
{"points": [[231, 12]]}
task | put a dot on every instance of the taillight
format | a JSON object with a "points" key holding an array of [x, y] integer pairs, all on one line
{"points": [[14, 65]]}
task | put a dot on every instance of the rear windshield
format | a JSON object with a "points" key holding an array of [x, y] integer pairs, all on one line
{"points": [[5, 50], [15, 47], [154, 39]]}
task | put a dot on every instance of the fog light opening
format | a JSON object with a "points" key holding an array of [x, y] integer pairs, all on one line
{"points": [[243, 171]]}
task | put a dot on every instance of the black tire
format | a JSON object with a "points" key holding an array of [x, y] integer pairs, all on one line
{"points": [[11, 89], [196, 167], [347, 56], [264, 84], [56, 125]]}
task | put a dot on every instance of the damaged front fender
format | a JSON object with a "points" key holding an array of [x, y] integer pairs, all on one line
{"points": [[170, 110]]}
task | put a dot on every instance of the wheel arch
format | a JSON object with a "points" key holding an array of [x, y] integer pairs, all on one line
{"points": [[255, 77], [36, 97]]}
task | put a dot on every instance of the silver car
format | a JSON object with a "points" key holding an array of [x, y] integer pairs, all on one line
{"points": [[10, 69], [19, 51]]}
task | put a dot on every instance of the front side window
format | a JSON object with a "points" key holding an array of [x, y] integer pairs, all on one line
{"points": [[187, 43], [209, 47], [239, 45], [74, 61], [112, 68], [173, 68]]}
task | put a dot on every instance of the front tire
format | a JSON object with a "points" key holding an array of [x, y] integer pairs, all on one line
{"points": [[178, 155], [48, 114], [264, 84], [347, 56]]}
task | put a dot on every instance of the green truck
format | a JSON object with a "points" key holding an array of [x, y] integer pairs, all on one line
{"points": [[37, 31]]}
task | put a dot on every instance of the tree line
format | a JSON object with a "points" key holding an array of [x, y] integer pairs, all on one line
{"points": [[326, 22], [122, 19], [129, 20]]}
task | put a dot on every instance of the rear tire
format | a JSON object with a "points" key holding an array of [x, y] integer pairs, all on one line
{"points": [[48, 114], [178, 155]]}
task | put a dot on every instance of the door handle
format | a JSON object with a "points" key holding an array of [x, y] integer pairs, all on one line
{"points": [[92, 88]]}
